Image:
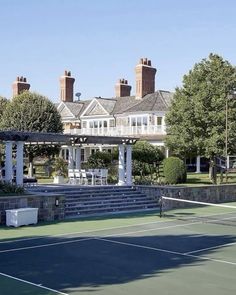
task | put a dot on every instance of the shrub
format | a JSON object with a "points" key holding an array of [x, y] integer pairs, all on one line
{"points": [[174, 170], [7, 187], [60, 167], [99, 160]]}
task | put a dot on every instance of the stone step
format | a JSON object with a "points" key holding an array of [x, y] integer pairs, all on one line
{"points": [[109, 205], [102, 210], [101, 196], [75, 188], [109, 201], [98, 193]]}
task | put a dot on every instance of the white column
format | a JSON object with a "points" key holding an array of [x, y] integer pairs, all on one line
{"points": [[129, 164], [70, 159], [78, 157], [8, 161], [227, 162], [121, 167], [167, 153], [198, 164], [19, 163]]}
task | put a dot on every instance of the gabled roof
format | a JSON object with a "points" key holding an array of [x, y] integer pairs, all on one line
{"points": [[107, 103], [124, 103], [99, 106], [157, 101], [75, 108], [152, 102]]}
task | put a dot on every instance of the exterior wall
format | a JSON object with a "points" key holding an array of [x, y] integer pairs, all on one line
{"points": [[121, 121], [208, 194], [48, 211]]}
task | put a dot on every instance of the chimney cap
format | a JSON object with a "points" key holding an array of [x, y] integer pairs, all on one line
{"points": [[67, 73], [145, 61]]}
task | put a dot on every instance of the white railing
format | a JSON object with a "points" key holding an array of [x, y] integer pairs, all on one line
{"points": [[120, 130]]}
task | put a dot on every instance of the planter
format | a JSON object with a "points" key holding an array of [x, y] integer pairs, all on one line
{"points": [[59, 179]]}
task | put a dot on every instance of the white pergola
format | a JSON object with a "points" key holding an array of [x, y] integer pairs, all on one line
{"points": [[74, 144]]}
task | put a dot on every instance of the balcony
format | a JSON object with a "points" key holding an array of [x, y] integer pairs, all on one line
{"points": [[120, 130]]}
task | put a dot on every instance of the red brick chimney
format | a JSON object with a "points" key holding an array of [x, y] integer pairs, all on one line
{"points": [[145, 78], [20, 85], [67, 87], [122, 88]]}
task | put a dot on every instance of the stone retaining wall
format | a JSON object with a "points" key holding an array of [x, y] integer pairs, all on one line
{"points": [[208, 194], [48, 209]]}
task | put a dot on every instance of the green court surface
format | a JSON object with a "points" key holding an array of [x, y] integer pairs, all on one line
{"points": [[129, 254]]}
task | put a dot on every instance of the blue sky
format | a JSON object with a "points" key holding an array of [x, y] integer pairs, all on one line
{"points": [[101, 41]]}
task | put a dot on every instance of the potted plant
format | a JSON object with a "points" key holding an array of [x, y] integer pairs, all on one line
{"points": [[60, 170]]}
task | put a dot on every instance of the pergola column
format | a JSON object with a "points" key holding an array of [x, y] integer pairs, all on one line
{"points": [[129, 165], [121, 167], [78, 157], [8, 161], [167, 153], [19, 163], [198, 164], [70, 159]]}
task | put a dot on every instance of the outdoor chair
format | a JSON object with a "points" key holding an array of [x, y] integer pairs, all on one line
{"points": [[101, 177], [78, 176], [71, 176]]}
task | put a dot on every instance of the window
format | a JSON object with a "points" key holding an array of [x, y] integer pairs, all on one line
{"points": [[139, 121], [133, 121], [159, 121], [82, 155], [112, 123], [145, 121], [93, 151]]}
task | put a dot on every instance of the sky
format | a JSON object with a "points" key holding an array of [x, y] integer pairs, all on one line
{"points": [[101, 41]]}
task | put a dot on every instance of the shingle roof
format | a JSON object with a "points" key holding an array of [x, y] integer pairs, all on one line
{"points": [[156, 101], [124, 103], [107, 103], [77, 107]]}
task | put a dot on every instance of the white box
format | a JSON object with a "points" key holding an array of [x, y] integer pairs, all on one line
{"points": [[22, 216]]}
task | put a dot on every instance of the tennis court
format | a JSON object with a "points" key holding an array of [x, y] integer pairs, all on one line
{"points": [[182, 253]]}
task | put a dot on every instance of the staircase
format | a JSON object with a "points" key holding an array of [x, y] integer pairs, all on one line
{"points": [[101, 200]]}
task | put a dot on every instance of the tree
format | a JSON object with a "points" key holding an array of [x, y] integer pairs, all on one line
{"points": [[3, 104], [32, 112], [197, 117], [99, 160], [145, 158]]}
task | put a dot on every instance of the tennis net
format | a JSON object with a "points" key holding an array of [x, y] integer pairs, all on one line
{"points": [[182, 209]]}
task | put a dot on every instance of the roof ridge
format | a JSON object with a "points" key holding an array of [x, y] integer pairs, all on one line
{"points": [[163, 98]]}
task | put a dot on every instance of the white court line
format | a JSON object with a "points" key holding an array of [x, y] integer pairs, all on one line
{"points": [[45, 245], [90, 238], [98, 230], [33, 284], [82, 232], [211, 248], [166, 251], [121, 234]]}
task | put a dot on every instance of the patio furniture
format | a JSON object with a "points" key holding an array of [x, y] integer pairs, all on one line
{"points": [[101, 177]]}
